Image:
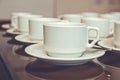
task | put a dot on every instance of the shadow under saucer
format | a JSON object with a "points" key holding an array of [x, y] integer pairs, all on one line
{"points": [[13, 41], [111, 58], [111, 61], [8, 35], [21, 51], [47, 71]]}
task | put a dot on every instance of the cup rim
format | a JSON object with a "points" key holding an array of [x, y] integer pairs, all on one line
{"points": [[72, 15], [44, 19], [90, 14], [63, 24], [96, 19]]}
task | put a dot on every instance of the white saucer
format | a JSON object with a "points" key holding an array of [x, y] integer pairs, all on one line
{"points": [[25, 38], [6, 26], [37, 50], [108, 43], [14, 31]]}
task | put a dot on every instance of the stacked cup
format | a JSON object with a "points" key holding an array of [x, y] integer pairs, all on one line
{"points": [[23, 22], [117, 34], [72, 17], [112, 19], [36, 27], [14, 18], [102, 23], [90, 14]]}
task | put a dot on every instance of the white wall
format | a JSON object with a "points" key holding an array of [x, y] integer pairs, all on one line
{"points": [[44, 7], [78, 6]]}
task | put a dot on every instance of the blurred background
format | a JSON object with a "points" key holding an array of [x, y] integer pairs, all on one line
{"points": [[53, 8]]}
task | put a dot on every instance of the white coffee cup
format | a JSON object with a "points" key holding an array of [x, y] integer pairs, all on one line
{"points": [[23, 22], [117, 34], [117, 14], [14, 18], [72, 17], [112, 20], [36, 27], [67, 39], [90, 14], [101, 23], [109, 16]]}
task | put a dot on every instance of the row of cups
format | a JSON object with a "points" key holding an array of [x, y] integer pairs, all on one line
{"points": [[30, 23], [62, 38], [108, 24], [105, 22]]}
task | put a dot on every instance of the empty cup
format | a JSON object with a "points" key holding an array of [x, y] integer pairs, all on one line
{"points": [[36, 27], [67, 39]]}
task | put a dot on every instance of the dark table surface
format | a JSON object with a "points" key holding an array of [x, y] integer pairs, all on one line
{"points": [[111, 59], [24, 67]]}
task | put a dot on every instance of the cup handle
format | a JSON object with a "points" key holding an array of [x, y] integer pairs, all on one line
{"points": [[112, 24], [13, 21], [97, 36]]}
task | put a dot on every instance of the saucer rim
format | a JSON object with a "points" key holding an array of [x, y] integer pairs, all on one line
{"points": [[11, 31], [101, 43], [21, 36], [3, 26], [101, 53]]}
